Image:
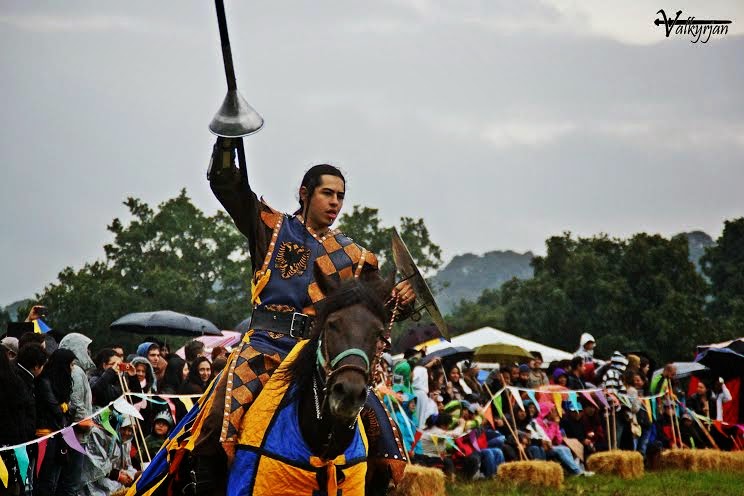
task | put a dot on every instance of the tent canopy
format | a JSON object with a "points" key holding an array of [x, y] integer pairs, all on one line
{"points": [[489, 335]]}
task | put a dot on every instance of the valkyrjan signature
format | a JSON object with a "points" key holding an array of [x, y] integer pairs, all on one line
{"points": [[695, 28]]}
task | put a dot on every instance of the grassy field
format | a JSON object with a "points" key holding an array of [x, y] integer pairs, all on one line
{"points": [[665, 483]]}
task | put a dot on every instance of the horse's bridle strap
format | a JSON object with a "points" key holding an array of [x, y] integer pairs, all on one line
{"points": [[331, 368], [350, 352]]}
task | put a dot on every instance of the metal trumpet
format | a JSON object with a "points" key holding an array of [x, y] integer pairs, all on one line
{"points": [[235, 117]]}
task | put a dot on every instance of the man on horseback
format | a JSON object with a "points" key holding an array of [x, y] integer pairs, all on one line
{"points": [[284, 249]]}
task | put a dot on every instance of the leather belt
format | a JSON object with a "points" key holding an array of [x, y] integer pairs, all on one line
{"points": [[293, 324]]}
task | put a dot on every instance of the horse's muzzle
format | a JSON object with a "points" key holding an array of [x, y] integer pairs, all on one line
{"points": [[347, 396]]}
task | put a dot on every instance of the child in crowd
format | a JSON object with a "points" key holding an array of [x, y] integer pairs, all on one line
{"points": [[161, 426]]}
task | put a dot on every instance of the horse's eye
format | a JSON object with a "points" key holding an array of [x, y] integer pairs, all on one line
{"points": [[332, 326]]}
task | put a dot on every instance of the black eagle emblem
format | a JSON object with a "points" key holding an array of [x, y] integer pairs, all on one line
{"points": [[291, 259]]}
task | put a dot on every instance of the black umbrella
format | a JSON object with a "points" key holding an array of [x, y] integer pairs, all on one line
{"points": [[723, 362], [736, 345], [165, 322], [414, 336], [449, 355], [244, 326]]}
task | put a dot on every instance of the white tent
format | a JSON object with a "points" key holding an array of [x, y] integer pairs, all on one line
{"points": [[489, 335]]}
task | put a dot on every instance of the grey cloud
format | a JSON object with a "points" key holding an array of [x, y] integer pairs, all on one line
{"points": [[498, 138]]}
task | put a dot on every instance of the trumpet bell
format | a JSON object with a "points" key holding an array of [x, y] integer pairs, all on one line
{"points": [[235, 118]]}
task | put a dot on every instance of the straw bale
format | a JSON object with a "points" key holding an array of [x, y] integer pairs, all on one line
{"points": [[534, 472], [703, 460], [624, 464], [420, 481]]}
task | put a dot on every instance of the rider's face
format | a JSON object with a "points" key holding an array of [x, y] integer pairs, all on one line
{"points": [[326, 202]]}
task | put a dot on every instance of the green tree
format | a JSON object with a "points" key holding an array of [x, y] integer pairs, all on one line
{"points": [[638, 294], [173, 257], [487, 310], [723, 263], [364, 226], [667, 296], [4, 319]]}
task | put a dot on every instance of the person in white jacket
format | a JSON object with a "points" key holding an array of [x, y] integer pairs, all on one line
{"points": [[586, 347], [719, 395], [81, 401], [420, 386]]}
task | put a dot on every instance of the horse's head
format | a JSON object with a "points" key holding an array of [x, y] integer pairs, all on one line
{"points": [[350, 325]]}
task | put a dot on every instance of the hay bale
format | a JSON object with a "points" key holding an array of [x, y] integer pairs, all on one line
{"points": [[534, 473], [624, 464], [418, 480], [703, 460], [678, 459], [735, 461]]}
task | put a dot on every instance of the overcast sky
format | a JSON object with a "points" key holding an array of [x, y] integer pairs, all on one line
{"points": [[500, 123]]}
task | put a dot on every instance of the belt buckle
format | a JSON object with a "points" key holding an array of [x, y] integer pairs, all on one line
{"points": [[292, 325]]}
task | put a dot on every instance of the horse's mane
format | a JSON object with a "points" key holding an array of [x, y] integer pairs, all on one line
{"points": [[369, 293]]}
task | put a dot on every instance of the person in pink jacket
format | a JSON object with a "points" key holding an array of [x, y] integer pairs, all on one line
{"points": [[553, 440]]}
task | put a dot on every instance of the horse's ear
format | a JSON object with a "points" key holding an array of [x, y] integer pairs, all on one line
{"points": [[390, 279], [382, 285], [326, 284]]}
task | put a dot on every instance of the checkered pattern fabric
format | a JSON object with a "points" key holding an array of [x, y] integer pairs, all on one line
{"points": [[249, 373], [341, 257]]}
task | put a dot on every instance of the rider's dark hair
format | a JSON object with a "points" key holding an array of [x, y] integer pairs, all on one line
{"points": [[311, 180]]}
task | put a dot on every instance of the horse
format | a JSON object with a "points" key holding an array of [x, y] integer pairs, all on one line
{"points": [[302, 434]]}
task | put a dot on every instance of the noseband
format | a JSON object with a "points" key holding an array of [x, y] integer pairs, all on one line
{"points": [[327, 368], [330, 367]]}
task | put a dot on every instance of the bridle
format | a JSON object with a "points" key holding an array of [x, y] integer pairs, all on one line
{"points": [[327, 368]]}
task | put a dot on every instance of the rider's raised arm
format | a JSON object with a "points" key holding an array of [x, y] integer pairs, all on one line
{"points": [[239, 199]]}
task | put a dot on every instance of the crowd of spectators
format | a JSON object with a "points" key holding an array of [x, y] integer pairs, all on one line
{"points": [[452, 415], [47, 387], [452, 420]]}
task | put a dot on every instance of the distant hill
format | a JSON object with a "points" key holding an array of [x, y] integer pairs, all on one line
{"points": [[466, 276], [12, 309]]}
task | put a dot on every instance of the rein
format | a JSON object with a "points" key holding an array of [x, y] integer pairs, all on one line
{"points": [[327, 368]]}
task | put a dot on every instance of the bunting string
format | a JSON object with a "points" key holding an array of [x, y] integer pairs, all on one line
{"points": [[119, 404]]}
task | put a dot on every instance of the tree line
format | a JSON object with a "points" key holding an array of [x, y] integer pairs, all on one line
{"points": [[642, 293], [636, 294], [177, 258]]}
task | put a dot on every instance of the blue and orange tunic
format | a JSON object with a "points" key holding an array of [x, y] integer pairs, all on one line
{"points": [[273, 459], [283, 283]]}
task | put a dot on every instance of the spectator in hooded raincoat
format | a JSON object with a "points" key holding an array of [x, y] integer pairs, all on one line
{"points": [[586, 347], [81, 399]]}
